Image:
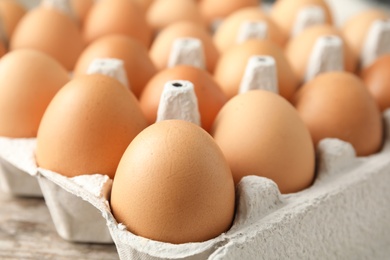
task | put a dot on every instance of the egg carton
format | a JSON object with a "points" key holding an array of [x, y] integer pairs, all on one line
{"points": [[345, 214], [17, 167]]}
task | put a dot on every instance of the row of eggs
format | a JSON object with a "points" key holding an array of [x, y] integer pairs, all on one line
{"points": [[173, 168]]}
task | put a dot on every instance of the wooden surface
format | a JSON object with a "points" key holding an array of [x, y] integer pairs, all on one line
{"points": [[27, 232]]}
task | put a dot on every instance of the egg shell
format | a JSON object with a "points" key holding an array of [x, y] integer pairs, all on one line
{"points": [[117, 17], [49, 31], [144, 4], [11, 12], [138, 65], [299, 49], [165, 12], [210, 97], [29, 80], [338, 105], [213, 10], [285, 12], [232, 64], [261, 134], [81, 9], [91, 134], [162, 45], [356, 28], [377, 78], [226, 34], [174, 185]]}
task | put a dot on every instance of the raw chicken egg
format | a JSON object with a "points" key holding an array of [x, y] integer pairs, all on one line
{"points": [[338, 105], [162, 13], [174, 185], [260, 133], [50, 31], [162, 45], [232, 64], [299, 49], [210, 97], [29, 80], [286, 13], [11, 12], [88, 126], [228, 31], [138, 65], [377, 79], [117, 17], [81, 9]]}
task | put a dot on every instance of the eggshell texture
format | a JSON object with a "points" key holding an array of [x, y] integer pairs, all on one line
{"points": [[49, 31], [165, 12], [226, 34], [139, 67], [299, 49], [28, 81], [261, 134], [232, 64], [11, 12], [212, 10], [88, 126], [117, 17], [210, 97], [81, 9], [338, 105], [285, 12], [377, 79], [162, 45], [357, 27], [174, 185]]}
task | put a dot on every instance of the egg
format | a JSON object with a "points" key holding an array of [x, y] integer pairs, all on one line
{"points": [[174, 185], [117, 17], [29, 80], [144, 4], [210, 96], [228, 31], [138, 65], [88, 126], [81, 9], [50, 31], [338, 105], [11, 12], [162, 13], [299, 49], [162, 45], [260, 133], [285, 12], [356, 28], [232, 64], [377, 78], [213, 10]]}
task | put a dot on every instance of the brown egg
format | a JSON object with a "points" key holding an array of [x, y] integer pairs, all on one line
{"points": [[11, 12], [377, 79], [285, 12], [117, 17], [338, 105], [90, 136], [356, 28], [144, 4], [138, 65], [165, 12], [81, 9], [213, 10], [162, 45], [227, 33], [299, 49], [210, 96], [174, 185], [49, 31], [261, 134], [28, 81], [231, 67]]}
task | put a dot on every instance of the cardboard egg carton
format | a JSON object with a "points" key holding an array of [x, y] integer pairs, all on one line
{"points": [[345, 214]]}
